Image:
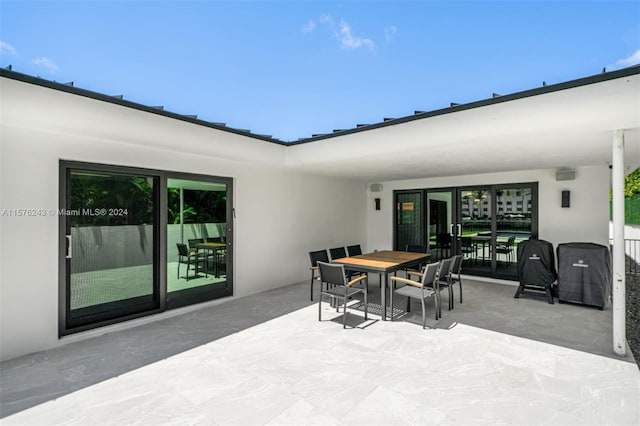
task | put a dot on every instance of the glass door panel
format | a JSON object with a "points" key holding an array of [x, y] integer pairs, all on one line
{"points": [[476, 237], [198, 248], [440, 220], [408, 220], [513, 224], [111, 225]]}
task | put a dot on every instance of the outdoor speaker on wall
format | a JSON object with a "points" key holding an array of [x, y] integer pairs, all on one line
{"points": [[565, 198], [565, 175], [375, 187]]}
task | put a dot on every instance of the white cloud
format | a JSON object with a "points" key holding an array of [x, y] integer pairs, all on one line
{"points": [[349, 41], [309, 26], [634, 59], [390, 32], [46, 63], [327, 19], [342, 32], [7, 48]]}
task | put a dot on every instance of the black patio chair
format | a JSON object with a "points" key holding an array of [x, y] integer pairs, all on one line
{"points": [[339, 289], [314, 258], [423, 289]]}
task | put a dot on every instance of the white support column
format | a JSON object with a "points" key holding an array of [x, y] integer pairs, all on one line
{"points": [[619, 305]]}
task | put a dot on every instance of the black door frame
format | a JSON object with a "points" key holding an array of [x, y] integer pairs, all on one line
{"points": [[160, 243], [456, 215]]}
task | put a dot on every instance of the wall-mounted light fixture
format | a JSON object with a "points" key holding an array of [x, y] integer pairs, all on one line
{"points": [[377, 200], [566, 195]]}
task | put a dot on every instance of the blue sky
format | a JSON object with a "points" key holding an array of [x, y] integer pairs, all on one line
{"points": [[292, 69]]}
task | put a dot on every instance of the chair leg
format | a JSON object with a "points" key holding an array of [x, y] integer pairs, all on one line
{"points": [[450, 296], [312, 277], [460, 284], [435, 306], [390, 305], [344, 319], [366, 302], [320, 305], [424, 313], [178, 275]]}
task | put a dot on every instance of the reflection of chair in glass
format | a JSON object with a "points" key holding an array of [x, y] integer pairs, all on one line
{"points": [[467, 248], [190, 258], [194, 242], [506, 248], [338, 288], [423, 289], [219, 254], [443, 245], [314, 257]]}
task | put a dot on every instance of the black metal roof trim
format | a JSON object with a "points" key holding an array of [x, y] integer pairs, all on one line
{"points": [[118, 100], [585, 81], [418, 115]]}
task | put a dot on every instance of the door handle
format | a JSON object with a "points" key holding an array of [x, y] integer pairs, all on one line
{"points": [[451, 229], [459, 230], [69, 252]]}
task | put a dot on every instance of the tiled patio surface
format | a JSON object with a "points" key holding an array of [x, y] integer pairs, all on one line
{"points": [[266, 359]]}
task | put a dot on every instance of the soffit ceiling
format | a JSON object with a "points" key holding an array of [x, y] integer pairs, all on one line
{"points": [[562, 129], [565, 128]]}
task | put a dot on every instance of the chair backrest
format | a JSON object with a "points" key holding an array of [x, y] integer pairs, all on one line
{"points": [[354, 250], [456, 266], [337, 253], [214, 240], [429, 274], [416, 248], [182, 249], [332, 273], [445, 268], [195, 241], [510, 241], [320, 255]]}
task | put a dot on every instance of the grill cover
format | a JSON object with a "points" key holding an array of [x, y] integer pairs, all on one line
{"points": [[584, 273], [536, 263]]}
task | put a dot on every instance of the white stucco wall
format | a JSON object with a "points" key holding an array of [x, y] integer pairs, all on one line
{"points": [[280, 215], [587, 220]]}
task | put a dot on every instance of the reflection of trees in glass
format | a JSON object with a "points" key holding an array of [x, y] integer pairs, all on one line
{"points": [[129, 197], [199, 206]]}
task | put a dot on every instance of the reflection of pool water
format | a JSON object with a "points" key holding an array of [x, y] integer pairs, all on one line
{"points": [[519, 235]]}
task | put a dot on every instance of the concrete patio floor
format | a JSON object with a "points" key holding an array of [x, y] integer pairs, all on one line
{"points": [[265, 359]]}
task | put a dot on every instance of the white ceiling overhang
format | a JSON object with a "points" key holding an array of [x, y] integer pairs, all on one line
{"points": [[561, 126], [558, 129]]}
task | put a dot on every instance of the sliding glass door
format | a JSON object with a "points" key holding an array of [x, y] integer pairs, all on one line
{"points": [[198, 239], [110, 220], [476, 236], [483, 223], [441, 230], [135, 242], [409, 219]]}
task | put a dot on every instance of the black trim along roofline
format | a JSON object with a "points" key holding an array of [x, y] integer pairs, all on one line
{"points": [[597, 78]]}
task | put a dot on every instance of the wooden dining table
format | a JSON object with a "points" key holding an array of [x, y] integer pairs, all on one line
{"points": [[383, 262]]}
